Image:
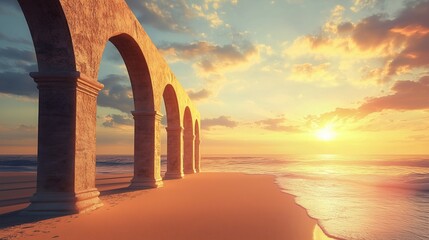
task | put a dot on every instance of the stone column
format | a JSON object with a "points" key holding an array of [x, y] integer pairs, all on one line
{"points": [[174, 153], [66, 144], [188, 153], [147, 150], [197, 155]]}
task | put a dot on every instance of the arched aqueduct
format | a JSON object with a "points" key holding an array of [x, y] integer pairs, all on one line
{"points": [[69, 38]]}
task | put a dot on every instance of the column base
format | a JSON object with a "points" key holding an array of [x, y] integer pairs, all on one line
{"points": [[144, 183], [59, 203], [169, 175], [190, 171]]}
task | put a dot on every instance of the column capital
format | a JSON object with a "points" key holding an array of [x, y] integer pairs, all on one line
{"points": [[74, 79], [156, 114], [174, 129]]}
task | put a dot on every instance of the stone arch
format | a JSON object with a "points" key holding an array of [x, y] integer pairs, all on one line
{"points": [[171, 106], [188, 142], [69, 39], [197, 157], [146, 120], [138, 71], [51, 36], [174, 134]]}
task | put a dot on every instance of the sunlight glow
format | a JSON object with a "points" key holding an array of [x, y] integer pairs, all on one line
{"points": [[326, 134]]}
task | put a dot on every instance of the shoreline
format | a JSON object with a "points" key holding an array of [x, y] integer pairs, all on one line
{"points": [[267, 202]]}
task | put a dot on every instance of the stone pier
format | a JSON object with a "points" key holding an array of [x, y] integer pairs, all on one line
{"points": [[66, 143], [174, 153], [147, 150]]}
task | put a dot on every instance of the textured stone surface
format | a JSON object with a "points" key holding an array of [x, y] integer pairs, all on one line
{"points": [[147, 159], [197, 142], [174, 153], [69, 38], [188, 143]]}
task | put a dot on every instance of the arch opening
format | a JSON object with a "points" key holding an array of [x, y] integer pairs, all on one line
{"points": [[114, 104], [68, 107], [18, 94], [138, 107], [174, 135], [197, 157], [188, 143], [138, 71], [66, 100]]}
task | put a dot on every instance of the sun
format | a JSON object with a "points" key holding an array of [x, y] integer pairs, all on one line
{"points": [[326, 134]]}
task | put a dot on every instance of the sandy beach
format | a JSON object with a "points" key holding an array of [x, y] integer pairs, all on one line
{"points": [[201, 206]]}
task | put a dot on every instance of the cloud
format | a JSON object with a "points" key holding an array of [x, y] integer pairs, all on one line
{"points": [[213, 58], [19, 135], [16, 80], [216, 4], [17, 54], [17, 59], [213, 17], [394, 45], [177, 16], [163, 14], [208, 10], [404, 38], [277, 125], [405, 95], [415, 55], [117, 121], [359, 5], [18, 83], [222, 121], [420, 138], [334, 19], [199, 95], [308, 72], [14, 40], [116, 94]]}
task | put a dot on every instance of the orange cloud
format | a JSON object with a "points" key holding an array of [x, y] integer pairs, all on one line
{"points": [[278, 125], [411, 30], [222, 121], [199, 95], [118, 121], [308, 72], [396, 45], [406, 95]]}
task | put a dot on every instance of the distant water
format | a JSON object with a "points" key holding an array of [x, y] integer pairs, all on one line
{"points": [[362, 197]]}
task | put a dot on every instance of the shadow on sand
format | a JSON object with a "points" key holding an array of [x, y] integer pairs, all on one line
{"points": [[116, 185]]}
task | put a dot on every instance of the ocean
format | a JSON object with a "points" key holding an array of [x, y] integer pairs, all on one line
{"points": [[360, 197]]}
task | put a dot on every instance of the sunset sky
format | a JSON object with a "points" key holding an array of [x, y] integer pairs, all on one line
{"points": [[269, 77]]}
